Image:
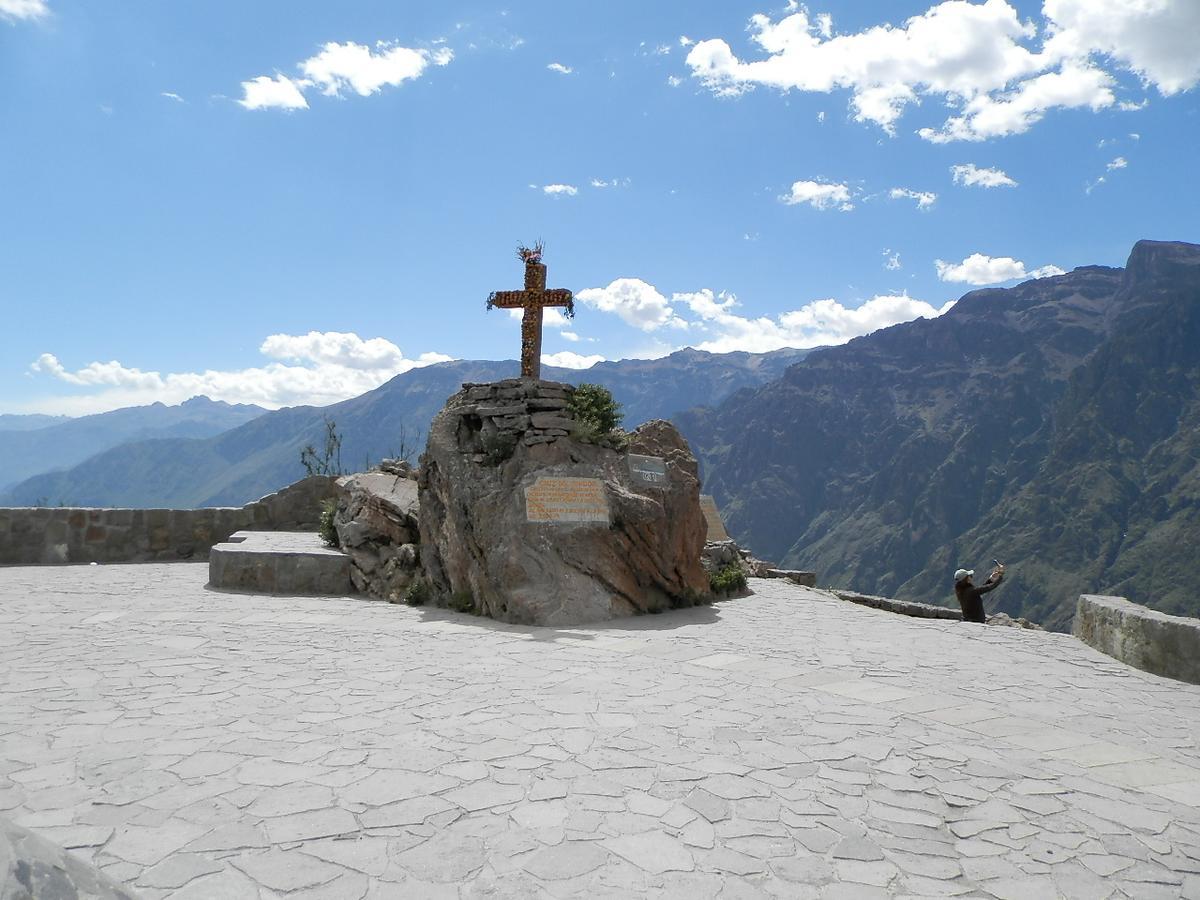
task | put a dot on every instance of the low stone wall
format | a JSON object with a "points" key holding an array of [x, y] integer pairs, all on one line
{"points": [[495, 416], [903, 607], [54, 536], [1145, 639]]}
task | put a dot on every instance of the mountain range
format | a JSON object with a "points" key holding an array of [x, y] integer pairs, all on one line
{"points": [[33, 444], [263, 455], [1054, 425]]}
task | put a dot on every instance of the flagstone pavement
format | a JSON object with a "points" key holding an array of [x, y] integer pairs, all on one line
{"points": [[196, 744]]}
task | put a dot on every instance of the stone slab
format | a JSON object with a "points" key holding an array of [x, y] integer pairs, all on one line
{"points": [[903, 607], [1143, 638], [279, 562], [712, 515]]}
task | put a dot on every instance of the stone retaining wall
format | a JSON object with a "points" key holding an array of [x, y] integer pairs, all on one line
{"points": [[903, 607], [46, 535], [495, 416], [1145, 639]]}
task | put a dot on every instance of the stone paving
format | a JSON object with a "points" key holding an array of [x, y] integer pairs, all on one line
{"points": [[197, 744]]}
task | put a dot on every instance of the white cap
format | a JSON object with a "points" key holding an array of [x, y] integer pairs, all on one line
{"points": [[961, 574]]}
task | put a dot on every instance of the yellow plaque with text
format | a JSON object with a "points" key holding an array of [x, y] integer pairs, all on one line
{"points": [[566, 500]]}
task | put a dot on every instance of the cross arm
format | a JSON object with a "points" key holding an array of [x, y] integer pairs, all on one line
{"points": [[527, 299]]}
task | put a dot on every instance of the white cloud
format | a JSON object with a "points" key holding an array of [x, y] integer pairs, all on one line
{"points": [[328, 367], [570, 336], [355, 67], [279, 92], [980, 269], [820, 195], [816, 324], [23, 9], [568, 359], [999, 74], [970, 175], [172, 96], [1119, 163], [925, 199], [987, 116], [892, 260], [1157, 39], [685, 41], [614, 182], [551, 317], [560, 190], [637, 303], [674, 80], [719, 329], [560, 68], [343, 67]]}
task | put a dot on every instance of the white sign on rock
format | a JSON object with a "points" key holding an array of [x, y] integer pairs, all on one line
{"points": [[648, 469], [566, 500]]}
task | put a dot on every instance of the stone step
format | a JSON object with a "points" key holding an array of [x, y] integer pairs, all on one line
{"points": [[279, 562]]}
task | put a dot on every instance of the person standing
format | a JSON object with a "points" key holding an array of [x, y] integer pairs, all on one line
{"points": [[970, 596]]}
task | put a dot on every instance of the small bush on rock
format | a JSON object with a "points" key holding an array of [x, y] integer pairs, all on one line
{"points": [[595, 410], [326, 526], [727, 580], [417, 593]]}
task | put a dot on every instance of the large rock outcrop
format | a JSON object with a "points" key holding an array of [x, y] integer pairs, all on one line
{"points": [[522, 522], [376, 522]]}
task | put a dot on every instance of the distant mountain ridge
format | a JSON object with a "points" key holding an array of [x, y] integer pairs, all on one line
{"points": [[60, 444], [1055, 425], [30, 422], [262, 455]]}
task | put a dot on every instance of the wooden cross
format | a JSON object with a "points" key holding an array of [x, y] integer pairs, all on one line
{"points": [[533, 300]]}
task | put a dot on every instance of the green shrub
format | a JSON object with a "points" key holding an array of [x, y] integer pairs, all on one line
{"points": [[462, 601], [595, 410], [727, 580], [325, 523], [417, 592]]}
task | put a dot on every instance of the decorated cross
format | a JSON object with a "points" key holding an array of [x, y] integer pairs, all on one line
{"points": [[533, 300]]}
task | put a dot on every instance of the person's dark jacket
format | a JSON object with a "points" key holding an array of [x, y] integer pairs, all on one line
{"points": [[970, 597]]}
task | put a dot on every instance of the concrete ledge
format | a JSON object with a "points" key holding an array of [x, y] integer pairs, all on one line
{"points": [[278, 562], [903, 607], [1145, 639]]}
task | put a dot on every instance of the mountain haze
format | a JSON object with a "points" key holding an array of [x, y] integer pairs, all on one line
{"points": [[59, 444], [1055, 425], [264, 455]]}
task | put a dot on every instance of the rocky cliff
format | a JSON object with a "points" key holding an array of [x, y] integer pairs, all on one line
{"points": [[1052, 425]]}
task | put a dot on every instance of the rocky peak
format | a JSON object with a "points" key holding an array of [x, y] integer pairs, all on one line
{"points": [[1162, 260]]}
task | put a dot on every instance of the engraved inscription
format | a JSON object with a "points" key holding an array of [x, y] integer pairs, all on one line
{"points": [[716, 528], [566, 500], [648, 469]]}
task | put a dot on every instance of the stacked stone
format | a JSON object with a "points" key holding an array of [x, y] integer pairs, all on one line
{"points": [[516, 409]]}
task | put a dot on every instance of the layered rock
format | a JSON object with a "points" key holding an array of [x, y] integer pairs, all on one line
{"points": [[376, 521], [522, 522]]}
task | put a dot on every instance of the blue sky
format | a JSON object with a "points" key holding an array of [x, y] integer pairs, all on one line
{"points": [[285, 203]]}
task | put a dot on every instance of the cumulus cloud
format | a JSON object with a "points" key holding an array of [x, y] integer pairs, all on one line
{"points": [[568, 359], [1119, 163], [712, 319], [999, 73], [892, 260], [560, 68], [23, 9], [981, 269], [817, 324], [819, 195], [265, 92], [637, 303], [560, 190], [925, 199], [340, 68], [325, 367], [970, 175]]}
